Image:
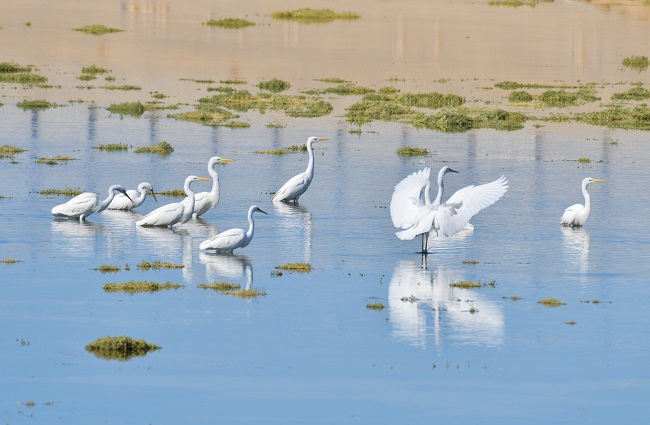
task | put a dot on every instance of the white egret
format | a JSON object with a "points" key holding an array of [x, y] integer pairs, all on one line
{"points": [[411, 207], [577, 214], [135, 198], [203, 201], [175, 213], [297, 185], [81, 206], [231, 239]]}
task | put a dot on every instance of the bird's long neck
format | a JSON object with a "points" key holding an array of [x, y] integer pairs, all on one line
{"points": [[190, 198], [427, 196], [441, 189], [310, 166], [251, 225], [587, 197], [215, 180], [106, 202], [142, 192]]}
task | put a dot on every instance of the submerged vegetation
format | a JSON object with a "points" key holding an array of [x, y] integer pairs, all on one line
{"points": [[638, 63], [295, 267], [314, 16], [68, 191], [120, 348], [134, 109], [36, 104], [157, 265], [283, 151], [232, 289], [161, 148], [551, 302], [53, 160], [12, 72], [135, 286], [97, 29], [412, 151], [231, 23], [107, 268], [7, 151], [113, 147]]}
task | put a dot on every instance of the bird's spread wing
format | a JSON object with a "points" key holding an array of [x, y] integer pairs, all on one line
{"points": [[225, 240], [408, 198], [452, 216], [76, 206]]}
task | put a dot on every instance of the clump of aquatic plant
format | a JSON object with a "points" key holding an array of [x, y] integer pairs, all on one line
{"points": [[637, 63], [583, 159], [375, 306], [241, 100], [230, 23], [113, 147], [36, 104], [247, 293], [274, 85], [635, 93], [232, 289], [514, 3], [275, 125], [333, 80], [12, 72], [466, 284], [120, 347], [348, 89], [520, 96], [431, 100], [232, 81], [412, 151], [157, 265], [176, 193], [283, 151], [10, 261], [513, 298], [68, 191], [134, 109], [463, 119], [511, 85], [97, 29], [94, 70], [221, 89], [551, 302], [470, 262], [135, 286], [312, 16], [570, 322], [367, 111], [53, 160], [124, 87], [634, 118], [562, 98], [211, 116], [161, 148], [107, 268], [295, 267], [7, 151]]}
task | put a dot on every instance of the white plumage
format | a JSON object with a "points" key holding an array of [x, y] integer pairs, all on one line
{"points": [[134, 199], [175, 213], [577, 214], [411, 208], [203, 201], [81, 206], [297, 185], [231, 239]]}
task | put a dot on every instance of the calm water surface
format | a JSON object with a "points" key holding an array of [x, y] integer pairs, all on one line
{"points": [[310, 351]]}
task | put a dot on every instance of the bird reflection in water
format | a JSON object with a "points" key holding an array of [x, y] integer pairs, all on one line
{"points": [[77, 238], [294, 223], [576, 247], [417, 296], [230, 266], [167, 244]]}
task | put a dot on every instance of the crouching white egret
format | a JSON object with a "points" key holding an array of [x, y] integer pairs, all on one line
{"points": [[81, 206], [231, 239], [175, 213], [203, 201], [297, 185], [577, 214], [411, 207], [133, 198]]}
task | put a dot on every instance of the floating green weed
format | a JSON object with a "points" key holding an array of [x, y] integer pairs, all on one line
{"points": [[333, 80], [120, 347], [113, 147], [582, 159], [10, 261], [375, 306], [12, 72], [412, 151], [635, 93], [634, 118], [514, 3], [511, 85], [162, 148], [124, 87], [97, 29], [94, 70], [470, 262], [53, 160], [348, 90], [570, 322], [274, 85], [68, 191], [232, 81], [157, 265], [220, 286], [36, 104], [134, 109], [208, 116], [230, 23], [562, 98], [637, 63], [247, 293], [283, 151], [7, 151], [520, 96], [312, 16], [466, 284], [135, 286], [174, 192], [295, 267], [107, 268], [551, 302]]}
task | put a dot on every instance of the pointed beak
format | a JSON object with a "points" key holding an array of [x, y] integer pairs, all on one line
{"points": [[203, 178], [126, 194], [154, 195], [322, 138], [262, 211], [453, 171], [227, 160], [598, 180]]}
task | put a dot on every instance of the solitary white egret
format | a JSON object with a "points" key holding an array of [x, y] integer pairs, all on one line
{"points": [[297, 185], [135, 198], [175, 213], [203, 201], [577, 214], [231, 239], [411, 207], [81, 206]]}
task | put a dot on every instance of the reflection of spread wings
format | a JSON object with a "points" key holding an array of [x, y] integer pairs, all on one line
{"points": [[409, 196]]}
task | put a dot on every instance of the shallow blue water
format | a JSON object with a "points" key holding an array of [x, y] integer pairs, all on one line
{"points": [[310, 351]]}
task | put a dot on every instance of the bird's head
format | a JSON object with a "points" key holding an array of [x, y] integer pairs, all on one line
{"points": [[218, 159], [596, 180], [256, 208], [315, 139], [149, 188], [122, 190]]}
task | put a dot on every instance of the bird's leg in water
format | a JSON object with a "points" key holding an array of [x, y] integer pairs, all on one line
{"points": [[425, 243]]}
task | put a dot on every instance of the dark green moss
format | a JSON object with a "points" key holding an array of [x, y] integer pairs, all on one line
{"points": [[157, 265], [134, 109], [409, 151], [161, 148], [97, 29], [133, 286], [120, 348], [295, 267], [638, 63], [635, 118], [274, 85], [36, 104], [314, 16], [230, 23]]}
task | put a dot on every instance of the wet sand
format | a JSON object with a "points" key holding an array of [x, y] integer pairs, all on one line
{"points": [[415, 45]]}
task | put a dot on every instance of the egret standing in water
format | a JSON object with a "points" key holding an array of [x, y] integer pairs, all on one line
{"points": [[203, 201], [133, 198], [175, 213], [297, 185], [411, 207], [577, 214], [231, 239], [81, 206]]}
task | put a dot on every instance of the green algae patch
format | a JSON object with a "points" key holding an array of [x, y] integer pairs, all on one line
{"points": [[230, 23], [212, 116], [515, 3], [120, 348], [176, 193], [36, 104], [113, 147], [134, 109], [157, 265], [409, 151], [10, 261], [470, 262], [563, 98], [375, 306], [220, 286], [283, 151], [637, 63], [551, 302], [97, 29], [14, 73], [348, 90], [635, 93], [314, 16], [295, 267], [466, 284], [67, 191], [124, 87], [7, 151], [107, 268], [53, 160], [161, 148], [274, 85], [512, 85], [247, 293], [520, 96], [633, 118], [136, 286]]}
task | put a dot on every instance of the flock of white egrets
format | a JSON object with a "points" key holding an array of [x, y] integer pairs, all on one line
{"points": [[411, 208]]}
